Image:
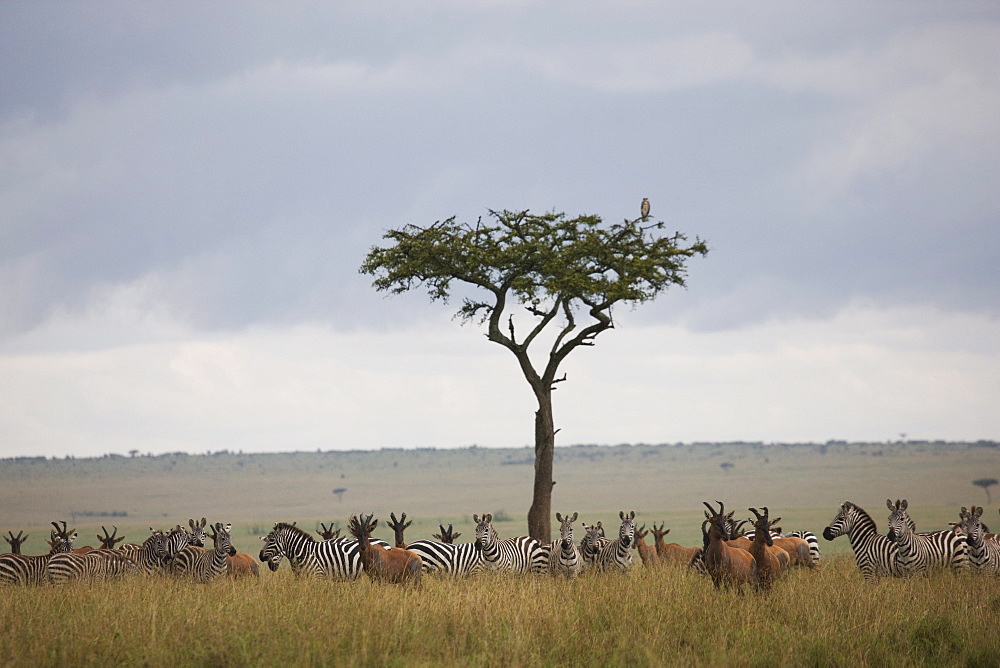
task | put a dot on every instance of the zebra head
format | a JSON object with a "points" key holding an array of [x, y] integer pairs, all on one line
{"points": [[221, 538], [270, 552], [282, 542], [486, 535], [174, 541], [590, 545], [973, 525], [842, 523], [566, 530], [626, 533], [900, 524], [198, 534], [156, 544]]}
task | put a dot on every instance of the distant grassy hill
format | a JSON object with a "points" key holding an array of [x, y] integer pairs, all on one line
{"points": [[803, 483]]}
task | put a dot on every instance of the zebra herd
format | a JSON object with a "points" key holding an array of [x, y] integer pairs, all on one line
{"points": [[903, 551], [177, 552]]}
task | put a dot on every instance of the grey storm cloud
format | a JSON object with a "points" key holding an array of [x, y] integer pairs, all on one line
{"points": [[234, 163]]}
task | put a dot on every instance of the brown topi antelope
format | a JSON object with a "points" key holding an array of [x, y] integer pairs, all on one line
{"points": [[769, 558], [16, 541], [328, 533], [398, 527], [447, 536], [396, 566], [647, 553], [729, 566], [673, 553], [242, 565], [797, 550], [108, 542]]}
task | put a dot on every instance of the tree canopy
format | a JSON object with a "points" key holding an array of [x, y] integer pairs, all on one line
{"points": [[551, 264], [559, 269]]}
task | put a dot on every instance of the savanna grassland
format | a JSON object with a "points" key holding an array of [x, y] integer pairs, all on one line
{"points": [[804, 484], [825, 616]]}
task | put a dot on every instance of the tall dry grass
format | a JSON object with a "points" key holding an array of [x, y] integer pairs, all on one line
{"points": [[825, 617]]}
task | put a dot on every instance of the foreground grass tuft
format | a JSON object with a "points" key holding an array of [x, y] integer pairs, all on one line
{"points": [[826, 617]]}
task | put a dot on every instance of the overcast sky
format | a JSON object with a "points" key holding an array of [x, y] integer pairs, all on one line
{"points": [[187, 190]]}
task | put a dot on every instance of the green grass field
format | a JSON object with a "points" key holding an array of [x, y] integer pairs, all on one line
{"points": [[824, 617]]}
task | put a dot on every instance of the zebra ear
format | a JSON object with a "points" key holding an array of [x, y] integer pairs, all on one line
{"points": [[488, 517], [888, 502], [573, 519], [475, 518], [903, 504]]}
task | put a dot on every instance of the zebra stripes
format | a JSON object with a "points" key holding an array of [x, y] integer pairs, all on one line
{"points": [[984, 553], [174, 541], [564, 556], [875, 554], [198, 535], [616, 555], [919, 552], [592, 544], [23, 569], [521, 554], [150, 557], [105, 564], [338, 558], [450, 558], [809, 537], [93, 566], [205, 565]]}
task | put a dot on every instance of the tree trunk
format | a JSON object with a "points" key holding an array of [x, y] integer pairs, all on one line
{"points": [[540, 513]]}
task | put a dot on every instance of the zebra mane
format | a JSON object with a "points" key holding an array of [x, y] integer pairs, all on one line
{"points": [[293, 529]]}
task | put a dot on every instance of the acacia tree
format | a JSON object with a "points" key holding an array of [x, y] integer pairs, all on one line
{"points": [[986, 483], [567, 274]]}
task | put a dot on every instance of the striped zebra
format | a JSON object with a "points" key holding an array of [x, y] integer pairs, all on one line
{"points": [[564, 556], [150, 557], [984, 553], [205, 565], [175, 540], [25, 569], [521, 554], [338, 558], [450, 558], [93, 566], [591, 544], [616, 555], [921, 552], [198, 535], [874, 553]]}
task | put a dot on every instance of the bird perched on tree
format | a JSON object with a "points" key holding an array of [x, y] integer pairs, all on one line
{"points": [[644, 209]]}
